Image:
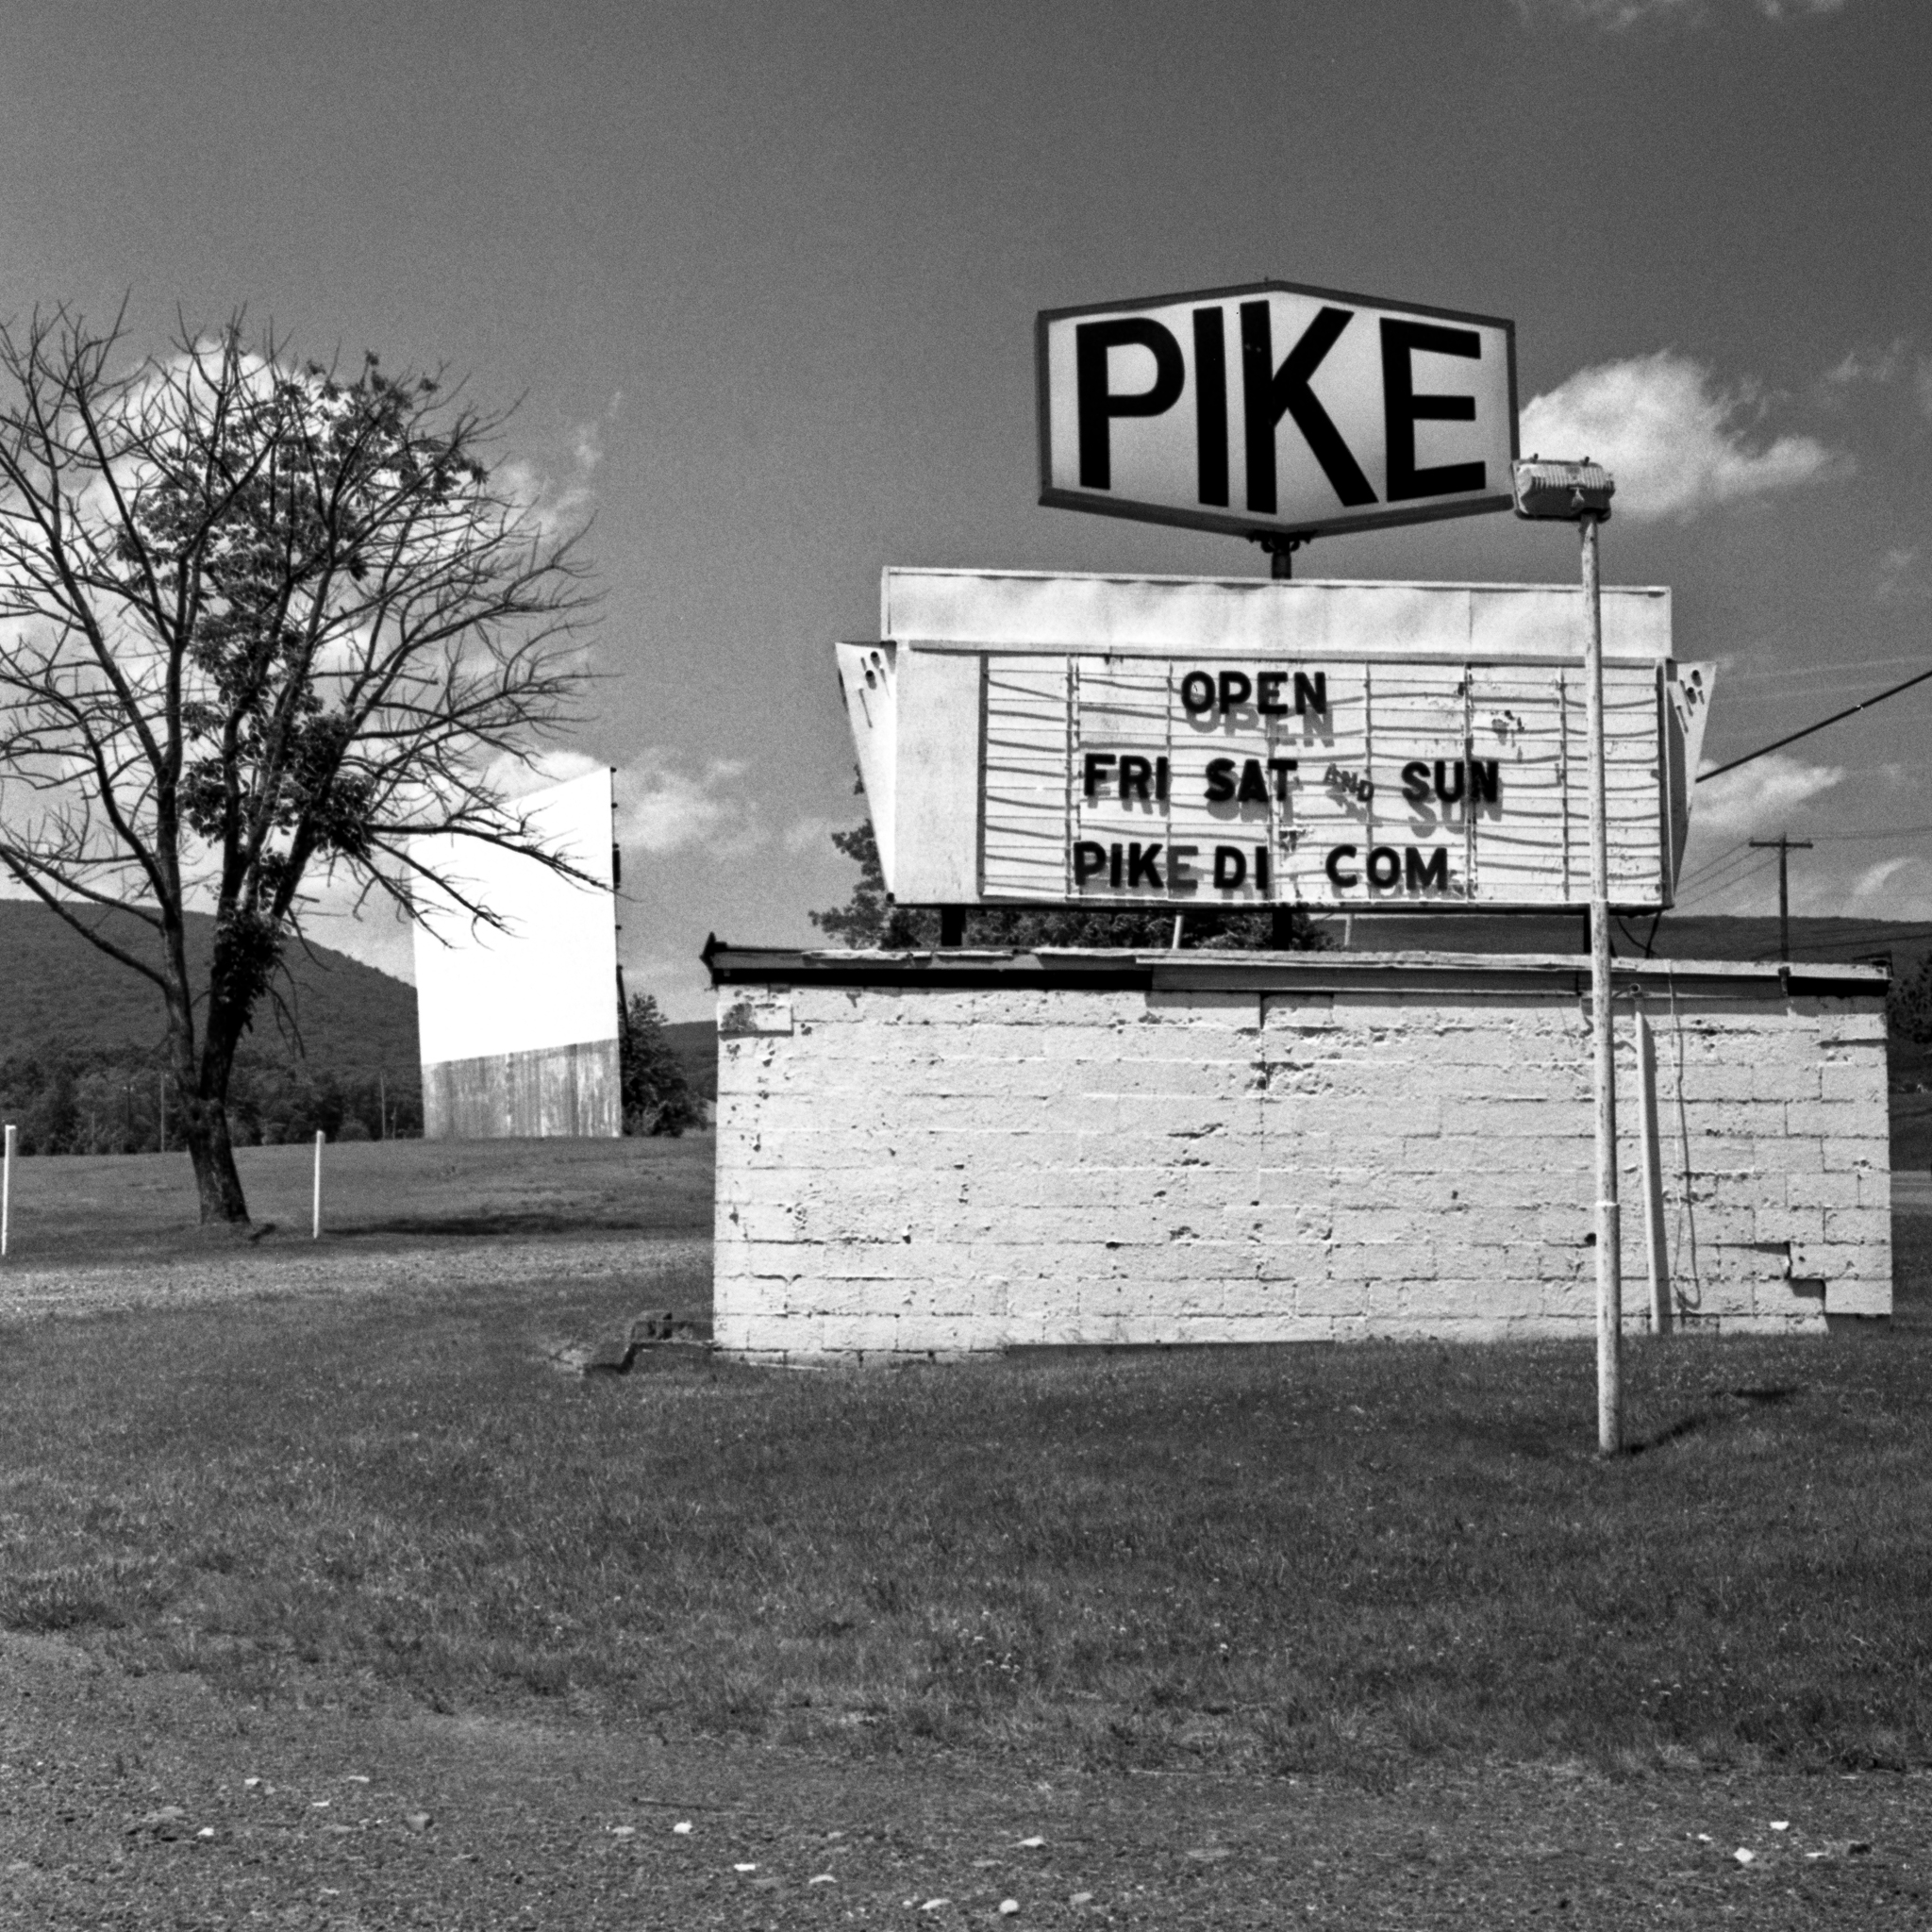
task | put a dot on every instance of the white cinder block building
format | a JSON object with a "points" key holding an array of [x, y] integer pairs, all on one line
{"points": [[940, 1153]]}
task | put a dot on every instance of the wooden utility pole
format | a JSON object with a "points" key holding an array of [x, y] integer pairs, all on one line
{"points": [[1785, 846]]}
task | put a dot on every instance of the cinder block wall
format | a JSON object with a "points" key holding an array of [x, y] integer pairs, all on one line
{"points": [[926, 1167]]}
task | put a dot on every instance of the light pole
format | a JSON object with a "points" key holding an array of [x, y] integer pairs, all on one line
{"points": [[1580, 494]]}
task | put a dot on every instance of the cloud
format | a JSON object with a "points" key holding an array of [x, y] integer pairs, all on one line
{"points": [[513, 777], [1889, 888], [663, 808], [1875, 366], [1676, 443], [1758, 800], [1614, 16], [1900, 581], [556, 504], [662, 805], [1760, 797], [814, 834]]}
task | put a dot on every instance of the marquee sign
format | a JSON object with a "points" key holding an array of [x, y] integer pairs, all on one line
{"points": [[1276, 410], [1185, 742]]}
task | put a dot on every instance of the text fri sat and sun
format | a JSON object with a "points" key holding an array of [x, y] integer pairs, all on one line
{"points": [[1135, 778]]}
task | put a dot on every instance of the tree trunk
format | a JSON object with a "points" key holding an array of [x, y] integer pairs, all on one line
{"points": [[204, 1102], [212, 1153]]}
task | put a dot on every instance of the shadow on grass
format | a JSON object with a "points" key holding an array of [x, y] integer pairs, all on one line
{"points": [[1730, 1406], [574, 1222]]}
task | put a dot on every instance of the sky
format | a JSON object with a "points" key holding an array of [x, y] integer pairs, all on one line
{"points": [[761, 280]]}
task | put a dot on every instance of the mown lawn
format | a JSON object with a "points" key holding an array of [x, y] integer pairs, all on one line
{"points": [[1313, 1557], [89, 1208]]}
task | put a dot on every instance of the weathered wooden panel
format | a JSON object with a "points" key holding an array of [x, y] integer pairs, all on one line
{"points": [[1193, 742], [1349, 782], [552, 1093]]}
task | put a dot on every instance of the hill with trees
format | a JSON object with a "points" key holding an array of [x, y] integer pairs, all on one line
{"points": [[82, 1044], [64, 993], [83, 1065]]}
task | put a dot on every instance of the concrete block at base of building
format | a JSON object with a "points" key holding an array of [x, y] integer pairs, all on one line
{"points": [[912, 1166]]}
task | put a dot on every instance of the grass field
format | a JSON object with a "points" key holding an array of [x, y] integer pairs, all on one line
{"points": [[1345, 1561], [96, 1207]]}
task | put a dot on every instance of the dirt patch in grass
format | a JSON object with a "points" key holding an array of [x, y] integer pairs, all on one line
{"points": [[141, 1801]]}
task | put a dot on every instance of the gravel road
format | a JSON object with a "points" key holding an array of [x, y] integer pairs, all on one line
{"points": [[146, 1802]]}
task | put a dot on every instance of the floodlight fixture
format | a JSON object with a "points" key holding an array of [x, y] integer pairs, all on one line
{"points": [[1561, 492]]}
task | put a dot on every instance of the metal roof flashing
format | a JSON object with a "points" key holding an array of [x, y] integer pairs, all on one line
{"points": [[1118, 968]]}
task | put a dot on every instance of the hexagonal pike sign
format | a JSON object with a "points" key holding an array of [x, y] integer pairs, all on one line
{"points": [[1276, 411]]}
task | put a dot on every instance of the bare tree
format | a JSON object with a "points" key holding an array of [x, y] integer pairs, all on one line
{"points": [[258, 622]]}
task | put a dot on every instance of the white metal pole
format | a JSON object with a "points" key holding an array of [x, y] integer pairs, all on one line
{"points": [[1610, 1275], [6, 1192], [1652, 1180], [315, 1229]]}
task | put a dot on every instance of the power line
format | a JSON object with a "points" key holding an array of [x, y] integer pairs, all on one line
{"points": [[1707, 876], [1716, 887], [1721, 879], [1831, 670], [1883, 832], [1711, 864], [1737, 854], [1808, 674], [1850, 711]]}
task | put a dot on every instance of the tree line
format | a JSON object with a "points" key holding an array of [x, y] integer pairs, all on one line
{"points": [[107, 1100], [98, 1100]]}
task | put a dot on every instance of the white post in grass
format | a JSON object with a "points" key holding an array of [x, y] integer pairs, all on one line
{"points": [[315, 1229], [6, 1192]]}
